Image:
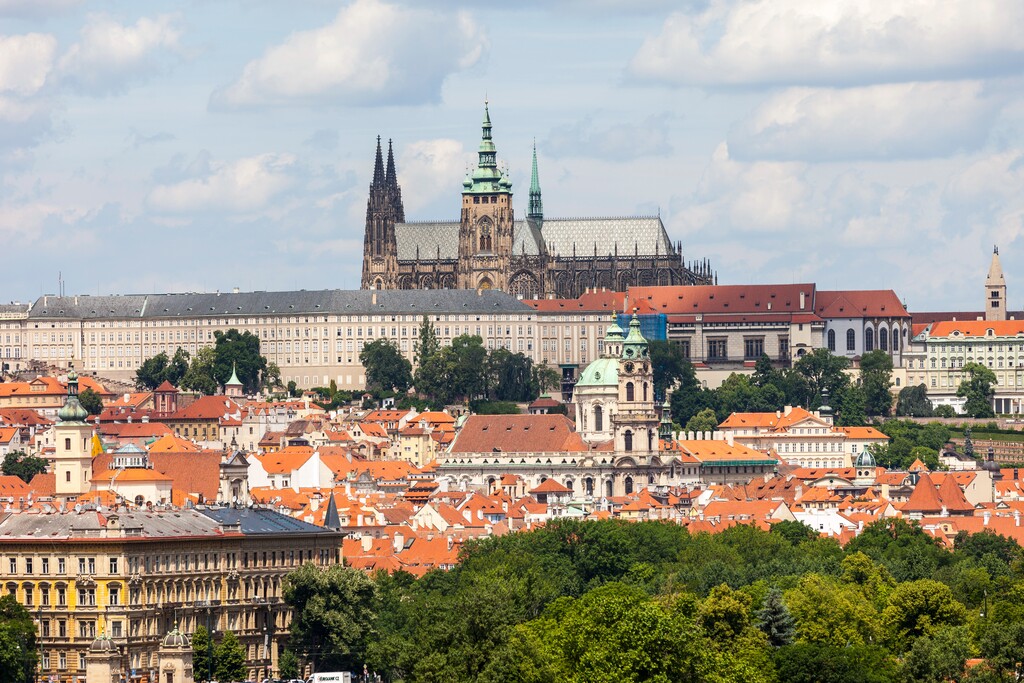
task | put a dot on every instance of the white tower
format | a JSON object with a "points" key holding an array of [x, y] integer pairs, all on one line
{"points": [[72, 460]]}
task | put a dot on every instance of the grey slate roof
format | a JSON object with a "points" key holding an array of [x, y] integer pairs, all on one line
{"points": [[640, 235], [13, 309], [255, 521], [180, 523], [429, 237], [605, 233], [303, 302]]}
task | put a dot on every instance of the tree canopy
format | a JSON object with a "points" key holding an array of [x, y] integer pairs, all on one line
{"points": [[20, 464], [978, 390], [386, 368]]}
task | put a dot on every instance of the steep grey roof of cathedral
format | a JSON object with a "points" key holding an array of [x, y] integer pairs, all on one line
{"points": [[303, 302], [632, 235], [429, 237], [639, 235]]}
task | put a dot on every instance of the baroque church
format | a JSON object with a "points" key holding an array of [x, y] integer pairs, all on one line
{"points": [[488, 248]]}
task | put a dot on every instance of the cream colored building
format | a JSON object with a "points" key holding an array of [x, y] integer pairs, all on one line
{"points": [[133, 575]]}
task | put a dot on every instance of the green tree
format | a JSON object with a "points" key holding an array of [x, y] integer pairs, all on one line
{"points": [[977, 389], [18, 649], [765, 374], [20, 464], [821, 370], [938, 658], [918, 608], [544, 379], [945, 410], [91, 401], [293, 388], [470, 366], [668, 364], [509, 376], [202, 654], [334, 615], [238, 352], [200, 375], [876, 380], [914, 402], [704, 421], [775, 620], [229, 659], [428, 345], [151, 373], [829, 612], [272, 377], [853, 410], [386, 368], [968, 443], [177, 367], [822, 663], [288, 665]]}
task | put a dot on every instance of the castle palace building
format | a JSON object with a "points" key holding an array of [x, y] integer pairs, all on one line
{"points": [[488, 248]]}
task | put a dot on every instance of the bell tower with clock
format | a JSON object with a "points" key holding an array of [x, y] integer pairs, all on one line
{"points": [[485, 230], [635, 421]]}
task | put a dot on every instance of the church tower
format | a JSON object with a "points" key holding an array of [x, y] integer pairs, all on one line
{"points": [[995, 289], [536, 208], [383, 209], [485, 230], [635, 420], [72, 460]]}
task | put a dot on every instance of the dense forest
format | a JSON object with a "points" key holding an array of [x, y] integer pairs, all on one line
{"points": [[614, 601]]}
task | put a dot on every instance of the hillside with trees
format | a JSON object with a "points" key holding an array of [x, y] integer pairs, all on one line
{"points": [[616, 601]]}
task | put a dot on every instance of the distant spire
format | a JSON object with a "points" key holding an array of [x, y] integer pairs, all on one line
{"points": [[378, 167], [331, 518], [391, 178], [995, 269], [536, 207]]}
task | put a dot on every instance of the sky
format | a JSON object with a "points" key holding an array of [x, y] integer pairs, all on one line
{"points": [[202, 145]]}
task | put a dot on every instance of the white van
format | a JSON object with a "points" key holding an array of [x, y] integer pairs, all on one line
{"points": [[331, 677]]}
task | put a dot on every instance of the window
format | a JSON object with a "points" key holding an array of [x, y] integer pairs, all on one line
{"points": [[831, 340], [13, 565], [86, 629], [46, 565], [629, 391], [851, 340], [60, 565], [717, 349], [115, 595], [113, 565], [62, 596], [62, 628], [28, 565], [684, 347], [869, 340], [628, 439], [753, 347], [883, 339], [87, 597], [598, 419]]}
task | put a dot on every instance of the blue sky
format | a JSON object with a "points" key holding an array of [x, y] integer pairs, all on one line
{"points": [[208, 144]]}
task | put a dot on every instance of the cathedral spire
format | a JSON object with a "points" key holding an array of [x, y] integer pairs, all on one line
{"points": [[995, 289], [390, 177], [487, 177], [536, 207], [378, 167]]}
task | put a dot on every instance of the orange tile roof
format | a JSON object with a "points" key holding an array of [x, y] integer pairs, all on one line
{"points": [[550, 486], [13, 487], [286, 460], [756, 300], [977, 328], [860, 303], [206, 408], [131, 474], [952, 497], [518, 434], [719, 451], [925, 498], [7, 434], [604, 301], [169, 443], [862, 433]]}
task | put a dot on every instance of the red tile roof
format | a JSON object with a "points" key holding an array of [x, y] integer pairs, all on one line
{"points": [[977, 328], [864, 303], [518, 434], [726, 299], [925, 498]]}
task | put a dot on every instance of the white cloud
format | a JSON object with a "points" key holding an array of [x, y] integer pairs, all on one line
{"points": [[25, 62], [372, 53], [110, 55], [245, 185], [811, 42], [872, 122], [428, 169], [618, 142]]}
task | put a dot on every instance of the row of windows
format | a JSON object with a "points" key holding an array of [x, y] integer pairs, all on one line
{"points": [[869, 339]]}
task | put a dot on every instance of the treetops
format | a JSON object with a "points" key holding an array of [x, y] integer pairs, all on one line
{"points": [[590, 601]]}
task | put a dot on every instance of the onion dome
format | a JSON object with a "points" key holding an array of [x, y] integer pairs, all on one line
{"points": [[103, 644], [865, 459], [176, 639], [72, 410], [635, 345]]}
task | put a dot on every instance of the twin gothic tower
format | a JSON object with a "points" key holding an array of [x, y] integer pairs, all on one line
{"points": [[488, 248]]}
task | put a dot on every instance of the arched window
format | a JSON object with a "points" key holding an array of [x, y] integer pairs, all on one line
{"points": [[831, 340], [598, 419], [896, 340], [645, 391], [628, 439], [629, 485], [883, 339], [608, 488], [588, 486], [629, 391], [869, 340], [851, 340]]}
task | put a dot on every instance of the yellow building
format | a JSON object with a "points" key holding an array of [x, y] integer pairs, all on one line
{"points": [[133, 575]]}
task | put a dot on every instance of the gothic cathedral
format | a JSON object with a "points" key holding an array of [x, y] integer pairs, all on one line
{"points": [[488, 248]]}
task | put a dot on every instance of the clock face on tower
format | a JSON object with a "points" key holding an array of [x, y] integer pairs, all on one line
{"points": [[629, 367]]}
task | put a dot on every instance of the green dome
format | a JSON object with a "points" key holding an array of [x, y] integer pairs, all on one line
{"points": [[603, 372], [72, 410]]}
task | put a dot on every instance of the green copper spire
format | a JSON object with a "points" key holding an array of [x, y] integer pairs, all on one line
{"points": [[536, 208], [665, 428], [487, 178], [234, 381], [72, 410], [635, 345]]}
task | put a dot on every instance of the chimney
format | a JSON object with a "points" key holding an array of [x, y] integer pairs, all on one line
{"points": [[373, 297], [788, 410], [367, 542], [1016, 517], [986, 516], [803, 300], [399, 542], [234, 290], [451, 542]]}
